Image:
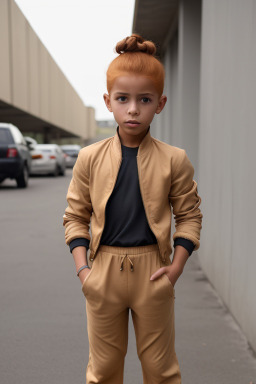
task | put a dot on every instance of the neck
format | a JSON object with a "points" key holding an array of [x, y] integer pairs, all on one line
{"points": [[131, 141]]}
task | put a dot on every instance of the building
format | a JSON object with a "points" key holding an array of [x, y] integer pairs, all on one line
{"points": [[35, 95], [209, 52]]}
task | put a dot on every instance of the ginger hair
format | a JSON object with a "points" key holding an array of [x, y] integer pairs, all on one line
{"points": [[136, 56]]}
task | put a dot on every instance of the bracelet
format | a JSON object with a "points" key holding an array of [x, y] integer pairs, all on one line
{"points": [[81, 268]]}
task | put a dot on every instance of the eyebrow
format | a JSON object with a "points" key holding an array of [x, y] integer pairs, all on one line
{"points": [[140, 94]]}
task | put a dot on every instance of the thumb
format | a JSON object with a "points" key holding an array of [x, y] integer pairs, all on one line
{"points": [[158, 273]]}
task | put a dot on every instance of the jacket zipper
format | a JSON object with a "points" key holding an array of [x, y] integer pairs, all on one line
{"points": [[119, 165], [145, 207]]}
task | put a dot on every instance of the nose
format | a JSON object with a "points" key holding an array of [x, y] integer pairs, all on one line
{"points": [[133, 109]]}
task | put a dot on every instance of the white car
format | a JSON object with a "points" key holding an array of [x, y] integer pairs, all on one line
{"points": [[71, 153], [48, 159]]}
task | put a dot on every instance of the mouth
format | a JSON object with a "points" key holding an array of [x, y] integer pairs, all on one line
{"points": [[132, 122]]}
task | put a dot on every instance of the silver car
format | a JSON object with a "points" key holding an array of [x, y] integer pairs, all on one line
{"points": [[71, 153], [48, 159]]}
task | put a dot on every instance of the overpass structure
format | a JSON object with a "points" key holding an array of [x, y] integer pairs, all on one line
{"points": [[35, 95]]}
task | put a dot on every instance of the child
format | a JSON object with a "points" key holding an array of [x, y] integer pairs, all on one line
{"points": [[124, 186]]}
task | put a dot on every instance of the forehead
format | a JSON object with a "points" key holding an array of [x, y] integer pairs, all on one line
{"points": [[133, 84]]}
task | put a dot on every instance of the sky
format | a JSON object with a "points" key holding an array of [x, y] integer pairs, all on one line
{"points": [[81, 36]]}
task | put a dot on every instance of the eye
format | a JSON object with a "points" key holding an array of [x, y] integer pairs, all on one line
{"points": [[145, 100], [122, 98]]}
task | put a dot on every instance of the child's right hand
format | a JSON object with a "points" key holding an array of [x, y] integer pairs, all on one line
{"points": [[83, 274]]}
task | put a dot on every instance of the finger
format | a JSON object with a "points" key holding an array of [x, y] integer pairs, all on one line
{"points": [[158, 273]]}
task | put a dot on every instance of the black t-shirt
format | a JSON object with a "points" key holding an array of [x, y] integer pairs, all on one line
{"points": [[126, 223]]}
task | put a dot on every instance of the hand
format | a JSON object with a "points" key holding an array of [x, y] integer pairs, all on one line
{"points": [[83, 274], [174, 270], [173, 273]]}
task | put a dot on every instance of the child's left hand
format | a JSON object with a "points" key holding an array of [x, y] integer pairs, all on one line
{"points": [[173, 273], [174, 270]]}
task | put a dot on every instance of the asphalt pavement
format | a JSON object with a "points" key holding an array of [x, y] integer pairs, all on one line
{"points": [[43, 335]]}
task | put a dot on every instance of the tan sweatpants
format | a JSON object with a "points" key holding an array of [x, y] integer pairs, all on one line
{"points": [[119, 281]]}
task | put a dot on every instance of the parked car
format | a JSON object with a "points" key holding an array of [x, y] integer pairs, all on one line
{"points": [[71, 152], [31, 142], [48, 159], [15, 158]]}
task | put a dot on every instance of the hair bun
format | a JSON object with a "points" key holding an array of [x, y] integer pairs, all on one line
{"points": [[136, 43]]}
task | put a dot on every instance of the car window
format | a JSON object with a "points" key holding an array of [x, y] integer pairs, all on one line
{"points": [[71, 151], [17, 135], [6, 136], [45, 150], [71, 148]]}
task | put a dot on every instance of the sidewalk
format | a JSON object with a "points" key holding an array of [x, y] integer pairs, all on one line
{"points": [[210, 346]]}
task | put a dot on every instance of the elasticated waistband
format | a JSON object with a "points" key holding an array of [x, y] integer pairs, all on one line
{"points": [[128, 250]]}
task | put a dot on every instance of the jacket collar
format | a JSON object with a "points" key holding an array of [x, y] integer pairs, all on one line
{"points": [[144, 147]]}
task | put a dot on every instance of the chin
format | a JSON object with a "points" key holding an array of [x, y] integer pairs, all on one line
{"points": [[134, 131]]}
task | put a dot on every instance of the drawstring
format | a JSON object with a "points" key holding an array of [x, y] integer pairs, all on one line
{"points": [[122, 263]]}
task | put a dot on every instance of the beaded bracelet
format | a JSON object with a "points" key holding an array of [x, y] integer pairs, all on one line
{"points": [[81, 268]]}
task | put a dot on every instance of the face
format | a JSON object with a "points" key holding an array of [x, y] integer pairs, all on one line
{"points": [[134, 101]]}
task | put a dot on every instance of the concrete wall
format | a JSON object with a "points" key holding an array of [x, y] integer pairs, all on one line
{"points": [[227, 163], [5, 77], [211, 112], [92, 122], [32, 81]]}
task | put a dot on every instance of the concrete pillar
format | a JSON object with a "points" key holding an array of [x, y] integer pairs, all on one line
{"points": [[189, 52], [171, 71], [57, 137], [46, 135]]}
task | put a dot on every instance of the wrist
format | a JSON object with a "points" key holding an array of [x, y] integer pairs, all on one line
{"points": [[173, 272], [85, 266], [177, 268], [83, 274], [180, 258]]}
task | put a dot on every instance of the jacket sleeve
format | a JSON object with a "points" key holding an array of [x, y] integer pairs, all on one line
{"points": [[78, 213], [185, 201]]}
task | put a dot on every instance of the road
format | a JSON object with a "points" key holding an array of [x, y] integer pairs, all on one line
{"points": [[43, 337]]}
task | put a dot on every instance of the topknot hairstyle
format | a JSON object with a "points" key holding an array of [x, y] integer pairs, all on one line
{"points": [[135, 43], [136, 56]]}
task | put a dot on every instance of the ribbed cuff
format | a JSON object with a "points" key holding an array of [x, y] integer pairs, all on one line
{"points": [[188, 244], [80, 242]]}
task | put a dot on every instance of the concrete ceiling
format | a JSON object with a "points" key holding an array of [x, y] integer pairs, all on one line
{"points": [[155, 19], [29, 123]]}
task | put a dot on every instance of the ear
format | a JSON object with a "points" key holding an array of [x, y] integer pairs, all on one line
{"points": [[161, 104], [106, 98]]}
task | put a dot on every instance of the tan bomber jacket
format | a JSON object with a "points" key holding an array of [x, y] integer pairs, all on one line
{"points": [[165, 178]]}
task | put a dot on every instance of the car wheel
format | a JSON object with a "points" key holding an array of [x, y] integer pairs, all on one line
{"points": [[22, 179]]}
